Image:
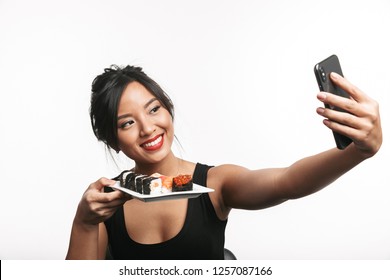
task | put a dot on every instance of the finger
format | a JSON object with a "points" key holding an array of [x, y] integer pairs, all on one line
{"points": [[96, 194], [113, 196], [342, 129], [340, 117], [113, 203], [101, 183], [107, 202], [346, 104], [350, 88], [360, 137]]}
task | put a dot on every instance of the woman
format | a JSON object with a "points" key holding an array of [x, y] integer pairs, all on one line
{"points": [[131, 114]]}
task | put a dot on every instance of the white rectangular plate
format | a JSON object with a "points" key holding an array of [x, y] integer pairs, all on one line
{"points": [[197, 191]]}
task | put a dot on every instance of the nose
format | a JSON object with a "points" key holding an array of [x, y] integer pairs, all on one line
{"points": [[147, 127]]}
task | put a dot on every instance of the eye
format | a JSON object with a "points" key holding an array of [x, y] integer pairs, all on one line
{"points": [[126, 124], [155, 109]]}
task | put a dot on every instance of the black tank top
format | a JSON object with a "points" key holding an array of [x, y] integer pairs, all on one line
{"points": [[202, 236]]}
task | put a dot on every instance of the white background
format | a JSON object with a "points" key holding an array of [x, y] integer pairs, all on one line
{"points": [[241, 76]]}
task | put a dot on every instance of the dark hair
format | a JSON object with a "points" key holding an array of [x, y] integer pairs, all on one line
{"points": [[107, 89]]}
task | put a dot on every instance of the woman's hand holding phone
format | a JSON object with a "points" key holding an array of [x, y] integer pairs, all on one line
{"points": [[358, 119]]}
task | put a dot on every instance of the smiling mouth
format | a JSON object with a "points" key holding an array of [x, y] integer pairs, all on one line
{"points": [[153, 144]]}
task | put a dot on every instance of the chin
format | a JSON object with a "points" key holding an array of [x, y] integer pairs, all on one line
{"points": [[155, 157]]}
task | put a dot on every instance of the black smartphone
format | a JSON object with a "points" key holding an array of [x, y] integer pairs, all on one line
{"points": [[322, 71]]}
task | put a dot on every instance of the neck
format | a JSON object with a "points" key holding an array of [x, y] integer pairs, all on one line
{"points": [[170, 166]]}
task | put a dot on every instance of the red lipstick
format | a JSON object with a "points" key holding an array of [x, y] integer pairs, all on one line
{"points": [[154, 143]]}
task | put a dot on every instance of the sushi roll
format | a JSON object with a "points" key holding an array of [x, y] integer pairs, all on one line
{"points": [[154, 184], [130, 181], [182, 183], [166, 182], [122, 178], [138, 183], [151, 185]]}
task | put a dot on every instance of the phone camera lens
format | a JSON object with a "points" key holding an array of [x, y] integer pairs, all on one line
{"points": [[323, 74]]}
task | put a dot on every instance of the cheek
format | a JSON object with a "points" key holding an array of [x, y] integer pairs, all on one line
{"points": [[165, 123], [125, 139], [168, 125]]}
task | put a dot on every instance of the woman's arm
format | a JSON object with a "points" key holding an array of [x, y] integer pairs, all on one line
{"points": [[243, 188], [84, 242], [88, 238]]}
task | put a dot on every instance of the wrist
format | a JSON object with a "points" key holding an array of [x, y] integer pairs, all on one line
{"points": [[81, 225], [358, 154]]}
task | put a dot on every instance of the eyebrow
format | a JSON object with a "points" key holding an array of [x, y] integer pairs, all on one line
{"points": [[145, 106]]}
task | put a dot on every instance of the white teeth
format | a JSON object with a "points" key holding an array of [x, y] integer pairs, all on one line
{"points": [[155, 142]]}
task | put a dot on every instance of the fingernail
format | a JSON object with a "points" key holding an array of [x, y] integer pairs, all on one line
{"points": [[320, 110], [334, 75], [321, 96]]}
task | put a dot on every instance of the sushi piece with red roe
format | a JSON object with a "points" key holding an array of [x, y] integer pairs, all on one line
{"points": [[182, 183]]}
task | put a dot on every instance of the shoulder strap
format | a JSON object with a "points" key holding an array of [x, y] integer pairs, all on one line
{"points": [[200, 174]]}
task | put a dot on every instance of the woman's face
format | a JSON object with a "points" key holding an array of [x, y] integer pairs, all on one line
{"points": [[145, 127]]}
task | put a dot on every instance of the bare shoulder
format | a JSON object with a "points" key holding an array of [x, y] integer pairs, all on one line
{"points": [[220, 175], [218, 178]]}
